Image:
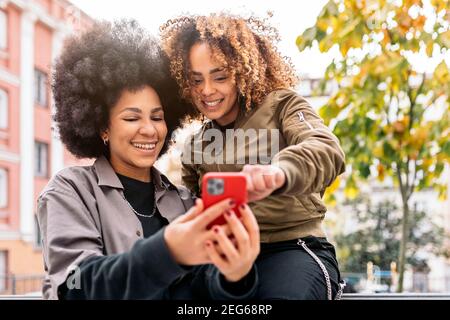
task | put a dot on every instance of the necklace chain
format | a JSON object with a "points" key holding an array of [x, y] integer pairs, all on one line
{"points": [[141, 214]]}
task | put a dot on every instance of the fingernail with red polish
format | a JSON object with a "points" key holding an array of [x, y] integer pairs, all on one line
{"points": [[232, 202]]}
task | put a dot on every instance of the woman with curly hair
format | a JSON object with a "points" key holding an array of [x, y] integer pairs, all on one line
{"points": [[117, 229], [229, 68]]}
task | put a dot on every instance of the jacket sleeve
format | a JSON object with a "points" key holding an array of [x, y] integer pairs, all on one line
{"points": [[189, 175], [144, 272], [208, 283], [244, 289], [72, 239], [313, 157]]}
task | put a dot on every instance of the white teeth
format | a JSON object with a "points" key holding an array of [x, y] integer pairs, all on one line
{"points": [[213, 103], [148, 146]]}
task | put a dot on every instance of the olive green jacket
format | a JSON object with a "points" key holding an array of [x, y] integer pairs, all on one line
{"points": [[296, 139]]}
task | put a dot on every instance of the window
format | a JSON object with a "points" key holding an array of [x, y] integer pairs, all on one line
{"points": [[3, 30], [41, 159], [3, 188], [40, 88], [3, 109]]}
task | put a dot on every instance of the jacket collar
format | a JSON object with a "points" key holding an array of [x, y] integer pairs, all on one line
{"points": [[108, 177], [105, 173], [240, 118]]}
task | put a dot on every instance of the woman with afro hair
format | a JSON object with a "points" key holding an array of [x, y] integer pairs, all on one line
{"points": [[119, 229], [229, 68]]}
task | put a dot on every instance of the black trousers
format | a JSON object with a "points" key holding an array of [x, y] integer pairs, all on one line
{"points": [[287, 271]]}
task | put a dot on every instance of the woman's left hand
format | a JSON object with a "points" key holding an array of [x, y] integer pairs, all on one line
{"points": [[262, 180], [234, 255]]}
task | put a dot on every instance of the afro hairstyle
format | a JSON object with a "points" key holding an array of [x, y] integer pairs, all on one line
{"points": [[91, 73]]}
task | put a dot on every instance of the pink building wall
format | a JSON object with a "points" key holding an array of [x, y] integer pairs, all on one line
{"points": [[9, 137], [42, 114], [24, 257]]}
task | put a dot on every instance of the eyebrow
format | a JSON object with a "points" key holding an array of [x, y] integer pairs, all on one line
{"points": [[196, 73], [137, 110]]}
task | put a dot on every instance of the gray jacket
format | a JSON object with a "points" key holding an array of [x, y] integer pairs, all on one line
{"points": [[83, 213]]}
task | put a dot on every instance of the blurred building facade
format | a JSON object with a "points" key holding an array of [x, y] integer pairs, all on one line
{"points": [[31, 36]]}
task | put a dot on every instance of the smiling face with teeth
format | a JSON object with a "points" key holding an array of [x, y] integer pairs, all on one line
{"points": [[136, 133], [213, 90]]}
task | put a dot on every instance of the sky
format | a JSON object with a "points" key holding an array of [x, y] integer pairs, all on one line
{"points": [[291, 18]]}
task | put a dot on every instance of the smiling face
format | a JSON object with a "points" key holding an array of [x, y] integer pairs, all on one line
{"points": [[213, 91], [136, 133]]}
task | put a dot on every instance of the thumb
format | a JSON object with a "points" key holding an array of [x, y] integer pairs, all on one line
{"points": [[280, 178], [193, 212]]}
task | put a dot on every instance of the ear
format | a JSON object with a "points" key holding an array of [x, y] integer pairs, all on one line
{"points": [[104, 134]]}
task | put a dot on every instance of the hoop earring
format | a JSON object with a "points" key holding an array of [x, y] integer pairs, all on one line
{"points": [[105, 141]]}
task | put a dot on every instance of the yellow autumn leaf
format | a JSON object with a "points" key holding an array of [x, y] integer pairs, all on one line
{"points": [[334, 186], [418, 137], [330, 200], [427, 163], [439, 4], [414, 154], [442, 193], [404, 21], [430, 47], [419, 22], [351, 192], [409, 3], [441, 73], [323, 24], [399, 126], [378, 151], [445, 37], [381, 172]]}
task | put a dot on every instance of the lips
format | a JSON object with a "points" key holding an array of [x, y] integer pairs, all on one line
{"points": [[212, 104], [145, 146]]}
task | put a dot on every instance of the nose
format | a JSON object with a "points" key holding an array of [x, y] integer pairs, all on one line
{"points": [[207, 88], [147, 129]]}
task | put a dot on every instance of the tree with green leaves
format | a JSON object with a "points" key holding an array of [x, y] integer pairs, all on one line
{"points": [[376, 237], [392, 120]]}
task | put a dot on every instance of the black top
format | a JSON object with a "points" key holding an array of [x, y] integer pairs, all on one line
{"points": [[141, 196], [225, 127]]}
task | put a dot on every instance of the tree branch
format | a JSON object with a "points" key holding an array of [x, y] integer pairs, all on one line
{"points": [[411, 185], [407, 173], [388, 108], [400, 181], [412, 102]]}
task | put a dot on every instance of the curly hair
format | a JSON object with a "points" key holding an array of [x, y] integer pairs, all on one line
{"points": [[91, 73], [246, 47]]}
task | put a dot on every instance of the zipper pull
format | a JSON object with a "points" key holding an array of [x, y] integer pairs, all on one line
{"points": [[301, 116], [302, 119]]}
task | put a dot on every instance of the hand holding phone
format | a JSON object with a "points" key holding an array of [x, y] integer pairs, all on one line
{"points": [[217, 186]]}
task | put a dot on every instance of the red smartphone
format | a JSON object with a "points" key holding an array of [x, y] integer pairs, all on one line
{"points": [[217, 186]]}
